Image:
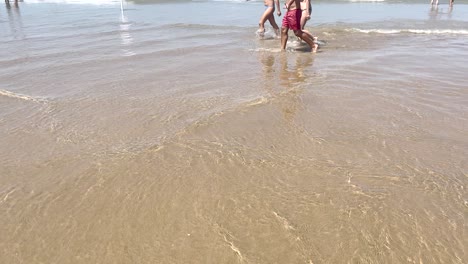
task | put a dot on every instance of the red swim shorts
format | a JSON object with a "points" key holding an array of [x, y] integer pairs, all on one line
{"points": [[292, 19]]}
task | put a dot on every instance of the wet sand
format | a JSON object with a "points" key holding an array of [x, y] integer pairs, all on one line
{"points": [[119, 148]]}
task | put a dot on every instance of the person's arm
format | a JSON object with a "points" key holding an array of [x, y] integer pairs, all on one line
{"points": [[277, 2], [288, 4], [307, 8]]}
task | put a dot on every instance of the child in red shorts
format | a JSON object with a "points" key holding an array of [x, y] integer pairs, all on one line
{"points": [[292, 20]]}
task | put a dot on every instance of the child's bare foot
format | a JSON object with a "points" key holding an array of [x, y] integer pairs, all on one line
{"points": [[315, 48]]}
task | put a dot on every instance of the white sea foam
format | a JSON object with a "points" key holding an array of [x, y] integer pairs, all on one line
{"points": [[414, 31], [93, 2], [366, 0], [21, 96], [273, 50]]}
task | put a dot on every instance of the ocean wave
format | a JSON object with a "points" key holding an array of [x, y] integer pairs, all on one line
{"points": [[148, 2], [366, 1], [89, 2], [200, 26], [413, 31], [117, 2]]}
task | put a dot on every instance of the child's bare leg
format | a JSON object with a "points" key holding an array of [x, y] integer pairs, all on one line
{"points": [[308, 39], [284, 38], [303, 22], [309, 34], [273, 24]]}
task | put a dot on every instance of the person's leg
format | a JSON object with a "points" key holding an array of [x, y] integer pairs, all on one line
{"points": [[273, 24], [261, 24], [284, 37], [309, 34], [303, 22], [309, 39], [284, 31]]}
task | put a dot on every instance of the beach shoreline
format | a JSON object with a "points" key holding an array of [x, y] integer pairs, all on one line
{"points": [[129, 136]]}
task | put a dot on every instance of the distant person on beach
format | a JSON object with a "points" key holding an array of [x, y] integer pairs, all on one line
{"points": [[437, 2], [269, 15], [7, 2], [292, 20]]}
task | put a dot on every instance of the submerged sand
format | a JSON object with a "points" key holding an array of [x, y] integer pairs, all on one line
{"points": [[221, 150]]}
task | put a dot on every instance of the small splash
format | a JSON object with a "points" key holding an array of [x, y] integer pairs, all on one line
{"points": [[259, 33], [267, 34], [296, 43]]}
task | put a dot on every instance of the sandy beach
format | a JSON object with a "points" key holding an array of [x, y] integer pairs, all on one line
{"points": [[167, 132]]}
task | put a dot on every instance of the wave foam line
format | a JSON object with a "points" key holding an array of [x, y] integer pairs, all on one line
{"points": [[21, 96], [367, 1], [414, 31]]}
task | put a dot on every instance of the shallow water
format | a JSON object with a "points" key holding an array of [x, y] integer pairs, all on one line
{"points": [[141, 136]]}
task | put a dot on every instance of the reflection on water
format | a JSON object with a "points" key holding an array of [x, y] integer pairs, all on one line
{"points": [[433, 12], [15, 20], [436, 13], [125, 36], [292, 77], [292, 72], [296, 73]]}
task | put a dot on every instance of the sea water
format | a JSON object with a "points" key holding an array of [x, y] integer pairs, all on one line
{"points": [[168, 132]]}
